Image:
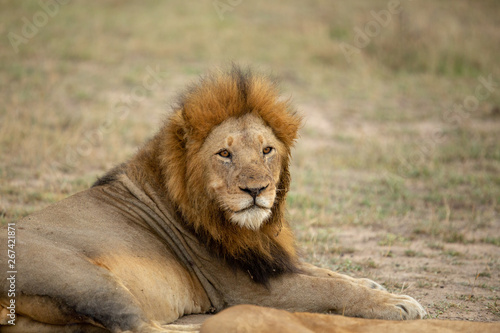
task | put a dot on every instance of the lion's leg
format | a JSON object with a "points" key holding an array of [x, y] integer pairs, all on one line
{"points": [[322, 272], [316, 290], [408, 307], [65, 288], [28, 325]]}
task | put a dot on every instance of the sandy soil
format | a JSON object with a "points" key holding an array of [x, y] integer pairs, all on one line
{"points": [[454, 282]]}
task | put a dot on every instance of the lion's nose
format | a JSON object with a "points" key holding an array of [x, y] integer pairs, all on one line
{"points": [[254, 191]]}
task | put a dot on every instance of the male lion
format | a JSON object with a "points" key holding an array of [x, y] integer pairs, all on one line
{"points": [[193, 223]]}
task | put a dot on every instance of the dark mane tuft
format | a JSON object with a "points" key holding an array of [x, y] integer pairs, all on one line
{"points": [[110, 176]]}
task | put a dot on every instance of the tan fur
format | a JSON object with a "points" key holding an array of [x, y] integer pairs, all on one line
{"points": [[248, 318], [193, 223]]}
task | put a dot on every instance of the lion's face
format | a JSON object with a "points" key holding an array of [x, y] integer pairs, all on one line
{"points": [[242, 169], [222, 162]]}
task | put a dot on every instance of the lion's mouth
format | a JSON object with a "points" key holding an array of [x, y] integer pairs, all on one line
{"points": [[250, 207]]}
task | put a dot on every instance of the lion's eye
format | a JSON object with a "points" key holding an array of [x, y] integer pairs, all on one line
{"points": [[224, 153], [267, 150]]}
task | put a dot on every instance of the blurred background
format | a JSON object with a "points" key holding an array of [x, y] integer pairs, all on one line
{"points": [[396, 175]]}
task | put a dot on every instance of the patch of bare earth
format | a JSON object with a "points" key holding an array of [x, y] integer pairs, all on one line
{"points": [[406, 240], [452, 281]]}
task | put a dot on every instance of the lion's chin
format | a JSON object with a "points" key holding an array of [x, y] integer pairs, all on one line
{"points": [[251, 218]]}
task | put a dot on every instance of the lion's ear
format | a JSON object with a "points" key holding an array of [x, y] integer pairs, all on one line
{"points": [[179, 128]]}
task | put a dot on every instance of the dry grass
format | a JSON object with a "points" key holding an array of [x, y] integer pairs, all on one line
{"points": [[388, 181]]}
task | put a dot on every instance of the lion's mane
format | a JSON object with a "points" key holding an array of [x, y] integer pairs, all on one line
{"points": [[170, 163]]}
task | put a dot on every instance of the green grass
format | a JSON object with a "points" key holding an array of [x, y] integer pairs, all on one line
{"points": [[392, 239], [494, 307], [492, 240]]}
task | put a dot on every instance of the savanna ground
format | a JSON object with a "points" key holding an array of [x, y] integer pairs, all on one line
{"points": [[392, 180]]}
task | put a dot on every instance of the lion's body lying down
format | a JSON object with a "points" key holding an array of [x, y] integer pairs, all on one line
{"points": [[194, 223], [249, 318]]}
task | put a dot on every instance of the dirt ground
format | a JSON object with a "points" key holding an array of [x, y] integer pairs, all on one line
{"points": [[456, 286]]}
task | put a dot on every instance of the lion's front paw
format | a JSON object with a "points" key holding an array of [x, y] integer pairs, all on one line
{"points": [[408, 308], [394, 307]]}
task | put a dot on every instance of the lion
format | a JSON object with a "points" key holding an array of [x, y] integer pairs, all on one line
{"points": [[193, 223], [251, 318]]}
